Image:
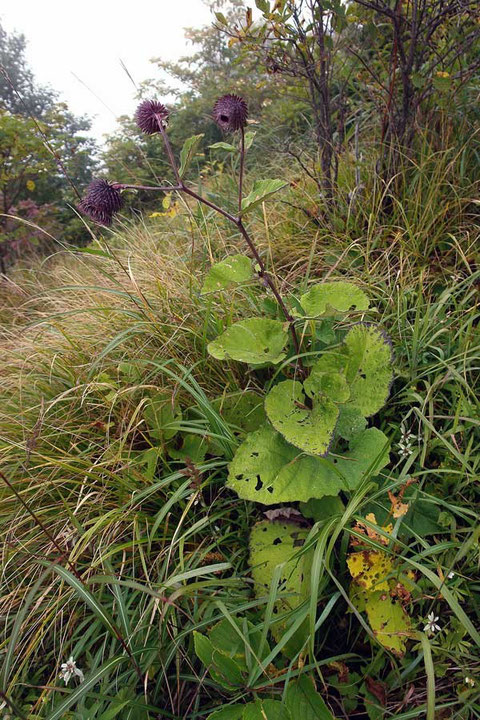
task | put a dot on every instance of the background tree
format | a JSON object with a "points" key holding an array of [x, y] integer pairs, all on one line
{"points": [[46, 154]]}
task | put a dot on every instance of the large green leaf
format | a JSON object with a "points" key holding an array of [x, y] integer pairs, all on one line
{"points": [[268, 470], [304, 702], [256, 464], [262, 189], [273, 544], [188, 153], [328, 297], [332, 384], [308, 429], [255, 340], [266, 710], [388, 620], [350, 422], [236, 268], [369, 367]]}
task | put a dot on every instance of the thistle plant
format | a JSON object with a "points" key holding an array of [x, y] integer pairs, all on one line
{"points": [[307, 440], [103, 199]]}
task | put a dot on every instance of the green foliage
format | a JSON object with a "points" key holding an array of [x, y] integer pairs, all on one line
{"points": [[228, 651], [303, 701], [255, 341], [262, 189], [333, 297], [187, 153], [268, 470], [308, 429], [234, 269], [389, 621], [274, 545]]}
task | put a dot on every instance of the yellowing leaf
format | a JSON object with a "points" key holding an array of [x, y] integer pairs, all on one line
{"points": [[389, 621], [370, 569], [30, 185]]}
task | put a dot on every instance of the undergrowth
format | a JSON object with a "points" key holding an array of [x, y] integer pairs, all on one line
{"points": [[118, 548]]}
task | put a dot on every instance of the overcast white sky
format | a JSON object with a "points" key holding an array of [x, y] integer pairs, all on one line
{"points": [[88, 38]]}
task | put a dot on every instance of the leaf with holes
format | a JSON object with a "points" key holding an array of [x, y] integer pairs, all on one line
{"points": [[370, 569], [268, 470], [308, 429], [256, 464], [188, 153], [255, 340], [262, 189], [306, 477], [273, 544], [332, 384], [389, 621], [234, 269], [332, 297], [368, 370]]}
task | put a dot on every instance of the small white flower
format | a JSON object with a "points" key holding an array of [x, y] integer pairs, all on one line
{"points": [[470, 681], [450, 575], [405, 443], [69, 669], [431, 627]]}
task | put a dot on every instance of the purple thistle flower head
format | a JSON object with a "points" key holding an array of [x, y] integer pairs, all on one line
{"points": [[230, 112], [150, 115], [101, 201]]}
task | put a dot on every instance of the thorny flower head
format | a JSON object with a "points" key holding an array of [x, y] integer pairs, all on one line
{"points": [[150, 116], [101, 201], [69, 669], [431, 627], [230, 112]]}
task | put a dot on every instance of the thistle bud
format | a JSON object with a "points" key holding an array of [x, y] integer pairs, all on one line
{"points": [[230, 112], [150, 115], [101, 201]]}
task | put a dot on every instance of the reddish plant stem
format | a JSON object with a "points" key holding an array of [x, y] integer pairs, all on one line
{"points": [[159, 188], [242, 165], [237, 221]]}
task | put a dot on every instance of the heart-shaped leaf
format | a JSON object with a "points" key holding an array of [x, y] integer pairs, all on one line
{"points": [[255, 340], [308, 429], [268, 470], [262, 189], [338, 296], [234, 269]]}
